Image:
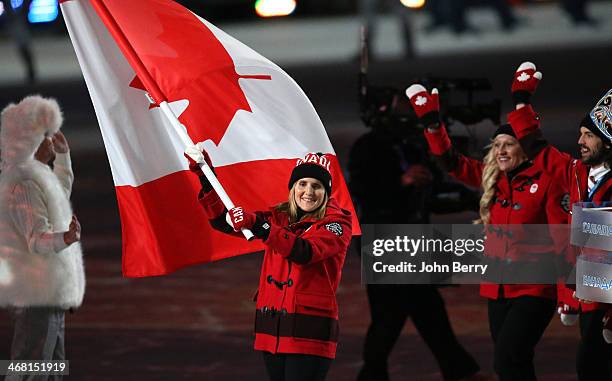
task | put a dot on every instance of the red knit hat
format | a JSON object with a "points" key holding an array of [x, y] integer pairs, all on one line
{"points": [[316, 166]]}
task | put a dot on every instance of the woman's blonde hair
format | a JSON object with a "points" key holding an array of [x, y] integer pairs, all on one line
{"points": [[291, 208], [490, 173]]}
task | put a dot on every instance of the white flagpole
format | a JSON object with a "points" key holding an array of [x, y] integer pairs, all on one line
{"points": [[182, 132], [141, 71]]}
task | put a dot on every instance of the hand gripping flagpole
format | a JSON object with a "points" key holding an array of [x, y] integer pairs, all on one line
{"points": [[155, 94], [210, 175]]}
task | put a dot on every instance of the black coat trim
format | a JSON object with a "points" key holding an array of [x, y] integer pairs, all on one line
{"points": [[301, 252], [300, 326]]}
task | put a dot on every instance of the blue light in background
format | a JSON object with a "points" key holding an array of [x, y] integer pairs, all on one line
{"points": [[43, 11], [15, 4]]}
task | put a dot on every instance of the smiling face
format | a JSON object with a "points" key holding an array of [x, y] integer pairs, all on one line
{"points": [[309, 194], [508, 152], [591, 147]]}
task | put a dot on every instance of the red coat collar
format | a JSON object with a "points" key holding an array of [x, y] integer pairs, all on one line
{"points": [[524, 178], [333, 211]]}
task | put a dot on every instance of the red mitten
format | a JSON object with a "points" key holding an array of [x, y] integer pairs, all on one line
{"points": [[196, 154], [240, 219], [425, 105], [567, 314], [607, 326], [525, 83]]}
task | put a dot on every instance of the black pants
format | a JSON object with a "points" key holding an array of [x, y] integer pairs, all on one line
{"points": [[594, 356], [294, 367], [516, 325], [390, 305]]}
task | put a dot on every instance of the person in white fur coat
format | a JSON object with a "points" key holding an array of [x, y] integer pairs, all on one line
{"points": [[41, 263]]}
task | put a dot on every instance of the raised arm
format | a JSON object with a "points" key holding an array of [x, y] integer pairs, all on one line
{"points": [[526, 125], [62, 166], [219, 217], [427, 108], [209, 200]]}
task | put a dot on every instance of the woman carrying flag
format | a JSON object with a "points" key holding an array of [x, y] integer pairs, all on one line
{"points": [[306, 240]]}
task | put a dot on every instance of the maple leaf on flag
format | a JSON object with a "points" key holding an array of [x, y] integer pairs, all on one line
{"points": [[178, 107], [205, 76], [251, 117]]}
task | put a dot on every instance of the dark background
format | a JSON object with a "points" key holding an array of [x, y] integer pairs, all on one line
{"points": [[196, 324]]}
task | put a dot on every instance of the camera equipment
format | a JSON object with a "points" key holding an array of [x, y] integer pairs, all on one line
{"points": [[389, 106], [388, 111]]}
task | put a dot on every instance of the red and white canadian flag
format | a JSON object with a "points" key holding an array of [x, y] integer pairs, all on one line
{"points": [[254, 119]]}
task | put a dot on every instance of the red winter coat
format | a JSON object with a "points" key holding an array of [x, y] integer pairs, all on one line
{"points": [[569, 171], [297, 310], [531, 197]]}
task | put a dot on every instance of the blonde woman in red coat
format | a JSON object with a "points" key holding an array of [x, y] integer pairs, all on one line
{"points": [[515, 192], [306, 239]]}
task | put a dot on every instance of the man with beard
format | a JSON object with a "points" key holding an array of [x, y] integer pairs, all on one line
{"points": [[588, 180]]}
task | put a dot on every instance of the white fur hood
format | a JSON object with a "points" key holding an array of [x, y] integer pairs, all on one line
{"points": [[23, 127]]}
